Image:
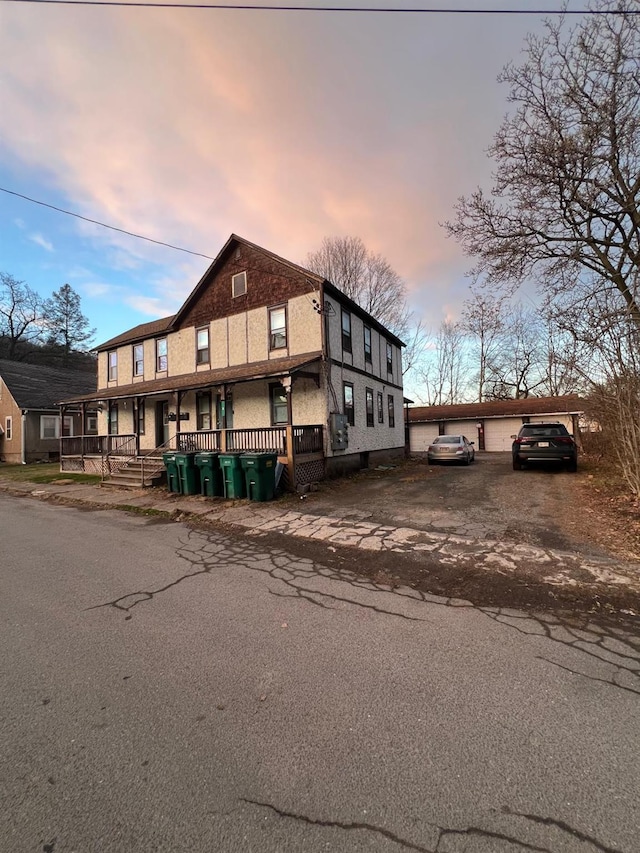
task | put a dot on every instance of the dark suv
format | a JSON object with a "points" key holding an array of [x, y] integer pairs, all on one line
{"points": [[542, 443]]}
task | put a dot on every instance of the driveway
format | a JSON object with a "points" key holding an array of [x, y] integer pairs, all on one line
{"points": [[539, 506]]}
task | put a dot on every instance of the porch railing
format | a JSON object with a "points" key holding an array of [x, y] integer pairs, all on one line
{"points": [[202, 440], [266, 439], [306, 439]]}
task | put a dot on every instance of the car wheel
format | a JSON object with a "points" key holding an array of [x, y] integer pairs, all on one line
{"points": [[467, 459], [572, 466], [517, 464]]}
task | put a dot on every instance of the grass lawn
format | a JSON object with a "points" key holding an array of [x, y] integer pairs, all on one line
{"points": [[43, 473]]}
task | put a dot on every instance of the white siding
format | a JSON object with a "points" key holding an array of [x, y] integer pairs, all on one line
{"points": [[467, 428]]}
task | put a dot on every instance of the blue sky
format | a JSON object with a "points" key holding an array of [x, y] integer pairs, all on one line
{"points": [[283, 127]]}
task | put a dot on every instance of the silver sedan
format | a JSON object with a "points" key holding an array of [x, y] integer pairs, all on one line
{"points": [[451, 448]]}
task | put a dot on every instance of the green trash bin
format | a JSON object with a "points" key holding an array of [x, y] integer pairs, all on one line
{"points": [[260, 475], [210, 474], [173, 478], [188, 474], [232, 479]]}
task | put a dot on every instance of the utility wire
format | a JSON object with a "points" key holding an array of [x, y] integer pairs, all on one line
{"points": [[104, 225], [387, 10]]}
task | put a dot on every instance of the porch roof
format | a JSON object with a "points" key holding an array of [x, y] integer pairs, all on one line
{"points": [[202, 379]]}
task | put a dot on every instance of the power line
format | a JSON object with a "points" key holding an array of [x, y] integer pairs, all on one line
{"points": [[369, 9], [104, 225]]}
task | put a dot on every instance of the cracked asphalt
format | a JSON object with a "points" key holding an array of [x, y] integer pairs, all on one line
{"points": [[172, 688], [483, 533]]}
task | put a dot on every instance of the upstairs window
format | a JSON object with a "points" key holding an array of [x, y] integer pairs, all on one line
{"points": [[347, 400], [138, 360], [380, 408], [202, 346], [277, 328], [389, 358], [239, 284], [113, 366], [161, 355], [346, 331], [392, 413], [369, 398], [367, 344]]}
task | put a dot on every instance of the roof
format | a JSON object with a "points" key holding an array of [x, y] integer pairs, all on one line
{"points": [[570, 403], [138, 333], [34, 386], [156, 327], [205, 378]]}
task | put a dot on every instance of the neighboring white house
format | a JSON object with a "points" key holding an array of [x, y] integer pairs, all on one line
{"points": [[262, 355], [490, 425]]}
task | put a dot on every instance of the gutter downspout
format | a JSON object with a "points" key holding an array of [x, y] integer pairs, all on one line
{"points": [[23, 437]]}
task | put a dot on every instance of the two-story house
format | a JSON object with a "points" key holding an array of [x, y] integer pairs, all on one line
{"points": [[262, 355]]}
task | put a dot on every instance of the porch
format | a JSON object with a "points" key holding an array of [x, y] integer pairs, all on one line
{"points": [[299, 448]]}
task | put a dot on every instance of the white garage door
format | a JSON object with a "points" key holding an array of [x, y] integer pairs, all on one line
{"points": [[498, 432], [421, 436], [467, 428]]}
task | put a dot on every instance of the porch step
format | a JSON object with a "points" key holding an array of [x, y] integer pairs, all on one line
{"points": [[130, 475]]}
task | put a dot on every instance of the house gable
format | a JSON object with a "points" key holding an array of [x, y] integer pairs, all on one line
{"points": [[270, 280]]}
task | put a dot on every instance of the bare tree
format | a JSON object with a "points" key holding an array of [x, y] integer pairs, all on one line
{"points": [[516, 369], [20, 315], [565, 207], [366, 278], [443, 376], [483, 320]]}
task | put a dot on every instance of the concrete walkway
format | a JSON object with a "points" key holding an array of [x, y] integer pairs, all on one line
{"points": [[348, 528]]}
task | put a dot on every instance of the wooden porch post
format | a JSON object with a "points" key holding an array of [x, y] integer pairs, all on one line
{"points": [[287, 384], [178, 399], [83, 429], [223, 425]]}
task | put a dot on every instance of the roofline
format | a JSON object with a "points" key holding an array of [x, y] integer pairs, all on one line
{"points": [[499, 415], [361, 312], [103, 393]]}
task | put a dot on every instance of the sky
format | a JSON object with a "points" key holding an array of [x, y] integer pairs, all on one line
{"points": [[283, 127]]}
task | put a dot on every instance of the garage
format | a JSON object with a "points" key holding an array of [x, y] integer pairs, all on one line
{"points": [[490, 425]]}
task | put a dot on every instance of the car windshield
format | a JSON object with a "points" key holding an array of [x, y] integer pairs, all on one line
{"points": [[546, 429], [448, 439]]}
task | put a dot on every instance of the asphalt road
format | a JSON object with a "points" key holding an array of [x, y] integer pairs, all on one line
{"points": [[163, 689]]}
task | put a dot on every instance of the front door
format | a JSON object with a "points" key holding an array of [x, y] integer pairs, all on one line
{"points": [[224, 408], [162, 422]]}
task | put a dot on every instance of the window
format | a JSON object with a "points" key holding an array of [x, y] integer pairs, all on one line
{"points": [[67, 425], [161, 355], [113, 366], [8, 429], [141, 417], [202, 346], [380, 408], [49, 427], [392, 414], [279, 410], [113, 419], [346, 331], [367, 344], [347, 399], [369, 399], [138, 360], [91, 425], [277, 328], [389, 358], [239, 284], [203, 408]]}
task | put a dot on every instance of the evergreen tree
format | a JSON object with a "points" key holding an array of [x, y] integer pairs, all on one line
{"points": [[68, 328]]}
